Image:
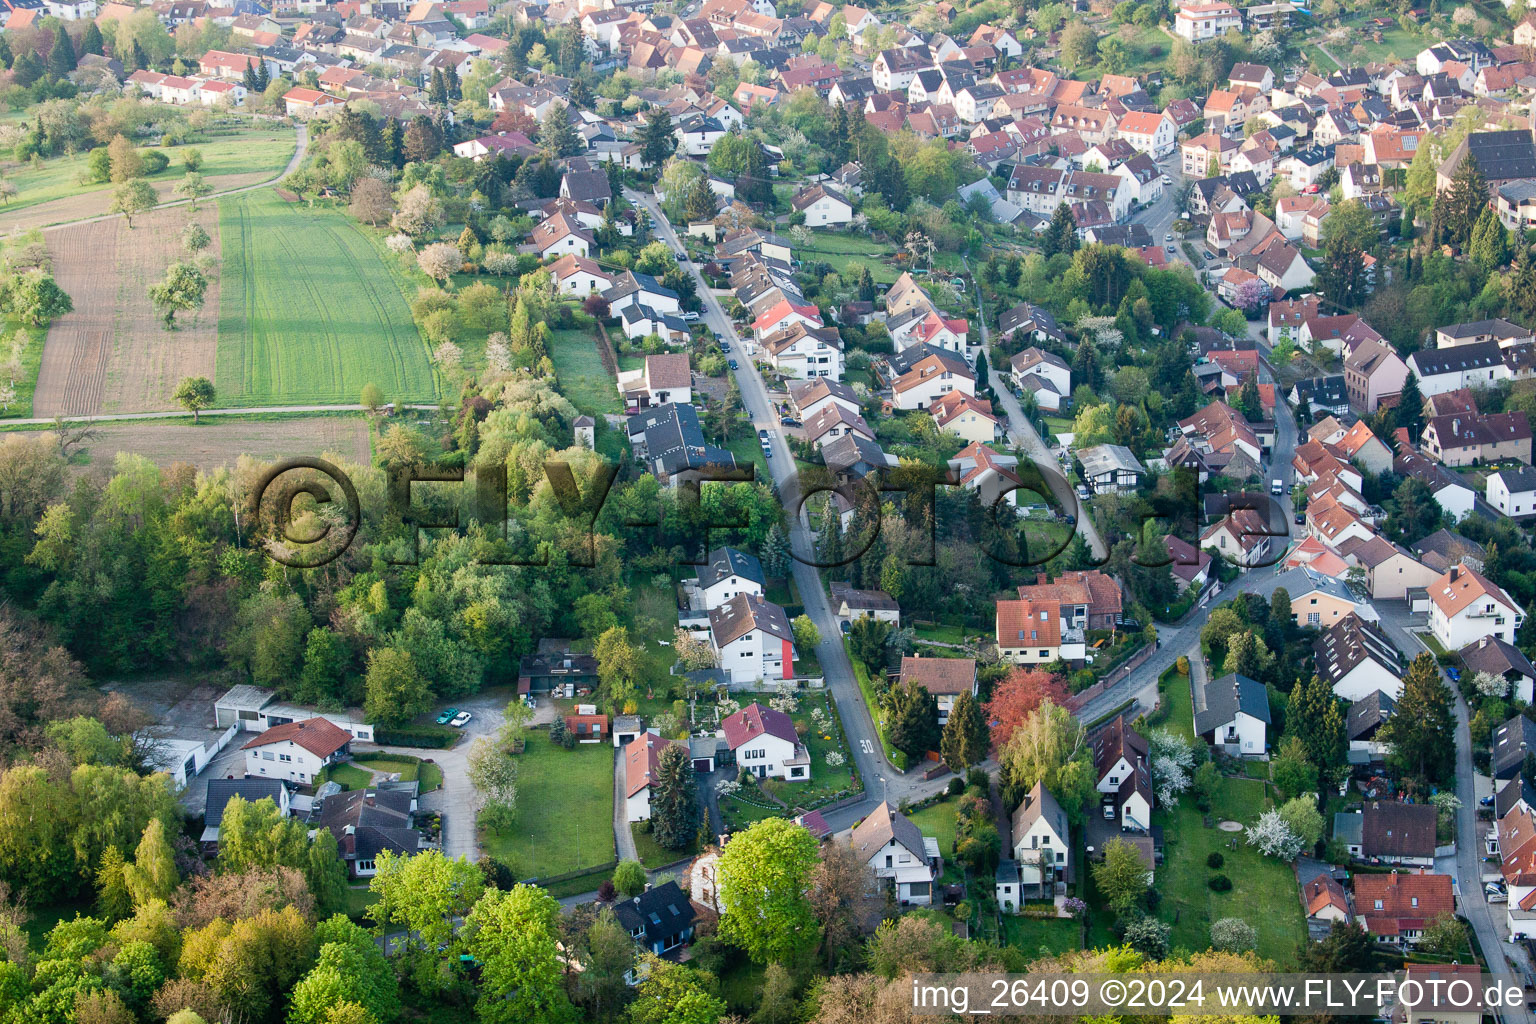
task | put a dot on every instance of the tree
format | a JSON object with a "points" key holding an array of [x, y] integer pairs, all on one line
{"points": [[61, 59], [371, 201], [1017, 695], [1233, 935], [656, 139], [1316, 717], [394, 691], [131, 197], [867, 641], [557, 135], [1409, 412], [839, 887], [1079, 45], [182, 289], [325, 873], [113, 900], [673, 994], [607, 957], [371, 397], [1121, 876], [514, 935], [629, 877], [1341, 279], [807, 636], [911, 719], [494, 776], [1351, 221], [152, 875], [194, 239], [618, 664], [1301, 815], [966, 739], [764, 875], [1458, 208], [1444, 936], [1051, 749], [1488, 248], [91, 41], [440, 261], [349, 971], [125, 161], [1292, 769], [36, 298], [194, 394], [194, 186], [420, 212], [1274, 837], [1421, 732], [674, 799], [1347, 949]]}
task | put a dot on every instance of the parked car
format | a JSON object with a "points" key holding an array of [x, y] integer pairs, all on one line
{"points": [[732, 364], [691, 316], [1301, 518], [447, 716], [1168, 237], [461, 719], [762, 435], [725, 346]]}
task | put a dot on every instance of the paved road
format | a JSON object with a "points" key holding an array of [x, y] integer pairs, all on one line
{"points": [[868, 755], [1487, 921], [1022, 434], [301, 146]]}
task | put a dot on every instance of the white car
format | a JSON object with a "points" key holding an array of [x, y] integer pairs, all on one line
{"points": [[461, 719]]}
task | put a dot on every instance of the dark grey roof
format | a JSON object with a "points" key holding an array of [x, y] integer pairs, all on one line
{"points": [[1369, 712], [1497, 657], [674, 441], [723, 562], [1516, 791], [1326, 391], [1349, 643], [1448, 548], [221, 790], [1500, 155], [1516, 480], [1511, 741], [1433, 361], [1226, 696], [660, 913]]}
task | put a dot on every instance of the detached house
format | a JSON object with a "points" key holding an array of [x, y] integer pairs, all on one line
{"points": [[752, 639], [897, 854], [297, 751], [823, 206], [1242, 536], [1513, 492], [1395, 908], [930, 378], [1031, 632], [1123, 767], [642, 759], [1357, 658], [1467, 440], [1398, 833], [1465, 606], [664, 378], [660, 919], [764, 743], [1041, 839], [945, 678], [728, 573], [1236, 715], [1500, 658]]}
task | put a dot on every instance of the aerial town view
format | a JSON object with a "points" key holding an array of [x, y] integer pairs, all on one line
{"points": [[709, 511]]}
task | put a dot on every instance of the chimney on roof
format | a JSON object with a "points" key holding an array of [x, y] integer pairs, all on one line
{"points": [[1455, 573]]}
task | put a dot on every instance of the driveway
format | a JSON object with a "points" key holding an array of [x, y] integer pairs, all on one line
{"points": [[457, 800]]}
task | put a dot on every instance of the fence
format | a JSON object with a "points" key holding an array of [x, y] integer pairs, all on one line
{"points": [[1084, 697]]}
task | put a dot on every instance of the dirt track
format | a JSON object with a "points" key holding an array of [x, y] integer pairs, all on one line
{"points": [[112, 354], [99, 202]]}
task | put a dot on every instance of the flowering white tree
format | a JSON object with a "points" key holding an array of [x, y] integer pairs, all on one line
{"points": [[1274, 837], [1490, 685], [498, 353], [1233, 935], [440, 260], [834, 759], [1172, 761], [400, 243], [500, 263]]}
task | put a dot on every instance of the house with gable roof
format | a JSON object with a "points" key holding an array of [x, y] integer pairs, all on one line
{"points": [[1357, 658], [1236, 715], [642, 759], [1122, 764], [297, 751], [1395, 908], [897, 854], [764, 742], [665, 377], [945, 678], [1466, 606], [752, 639]]}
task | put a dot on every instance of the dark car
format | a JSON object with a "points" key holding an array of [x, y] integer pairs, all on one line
{"points": [[1301, 517], [762, 435], [732, 364]]}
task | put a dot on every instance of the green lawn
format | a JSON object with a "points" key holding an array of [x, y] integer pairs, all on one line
{"points": [[825, 779], [749, 452], [652, 854], [1313, 52], [429, 776], [1173, 690], [347, 776], [1263, 888], [359, 900], [583, 379], [310, 310], [840, 251], [738, 814], [40, 920], [564, 810], [31, 360], [258, 151], [871, 699], [938, 821], [1049, 936]]}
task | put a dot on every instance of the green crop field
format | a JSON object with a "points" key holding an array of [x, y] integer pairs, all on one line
{"points": [[309, 311]]}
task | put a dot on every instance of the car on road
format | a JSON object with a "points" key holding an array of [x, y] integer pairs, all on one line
{"points": [[461, 719], [725, 346], [691, 316], [845, 626], [1172, 247], [1168, 237], [762, 435], [1070, 519], [1167, 180], [447, 716], [767, 451], [1277, 487], [732, 365], [1301, 517]]}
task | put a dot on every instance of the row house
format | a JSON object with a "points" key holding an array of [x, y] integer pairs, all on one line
{"points": [[1148, 132], [1197, 154], [1091, 124], [1461, 440]]}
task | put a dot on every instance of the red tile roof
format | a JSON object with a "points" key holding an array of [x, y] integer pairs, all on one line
{"points": [[316, 735]]}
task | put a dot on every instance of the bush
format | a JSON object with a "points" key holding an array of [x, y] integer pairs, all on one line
{"points": [[1220, 883], [439, 736], [978, 778], [155, 161], [899, 760], [956, 786], [1215, 860]]}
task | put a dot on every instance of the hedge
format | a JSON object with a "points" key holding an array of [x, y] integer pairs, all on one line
{"points": [[439, 736]]}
